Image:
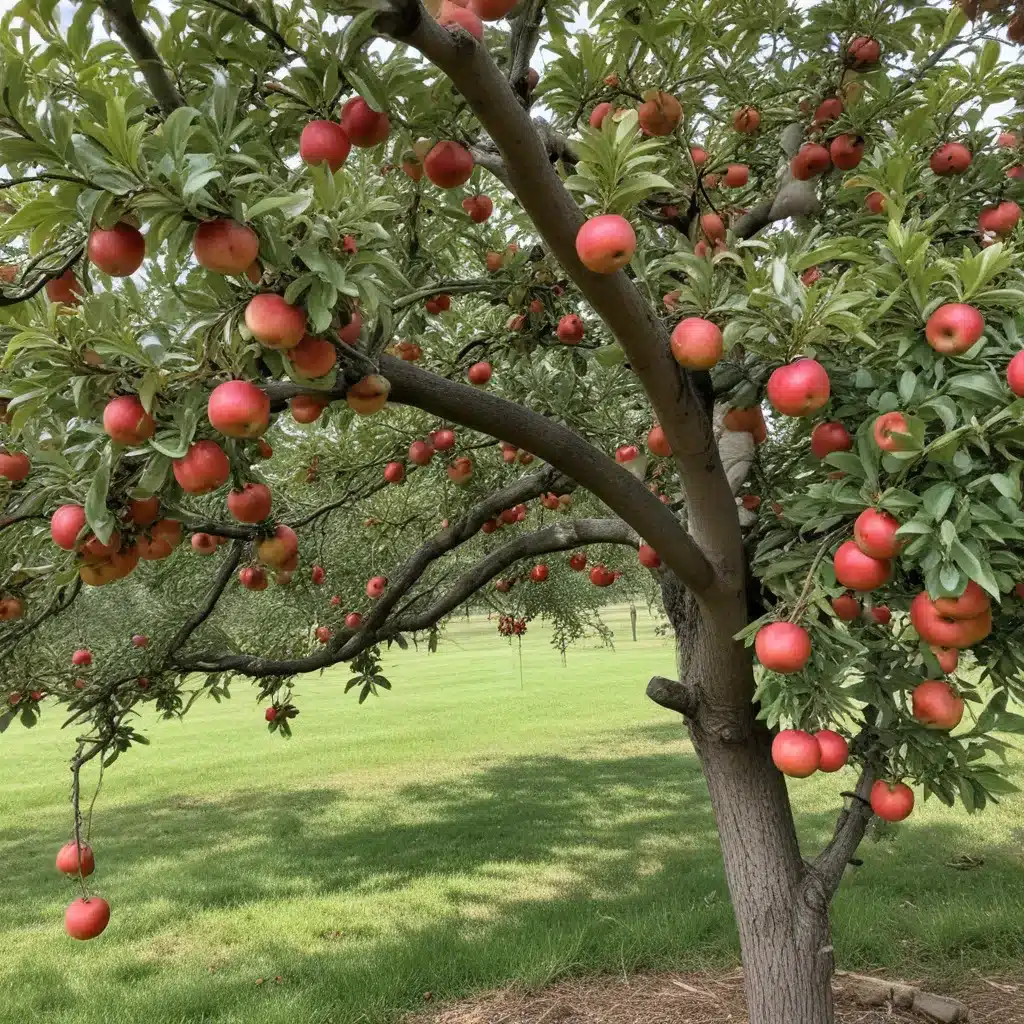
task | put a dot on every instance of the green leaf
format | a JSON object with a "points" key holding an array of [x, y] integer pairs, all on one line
{"points": [[978, 571], [938, 498], [100, 519]]}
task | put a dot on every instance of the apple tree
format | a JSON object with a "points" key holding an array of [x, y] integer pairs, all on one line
{"points": [[321, 322]]}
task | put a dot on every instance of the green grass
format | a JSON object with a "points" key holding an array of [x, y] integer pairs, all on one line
{"points": [[493, 819]]}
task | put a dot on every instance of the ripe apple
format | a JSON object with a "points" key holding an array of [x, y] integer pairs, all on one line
{"points": [[881, 614], [699, 156], [950, 158], [202, 469], [783, 646], [353, 620], [539, 573], [307, 408], [66, 524], [14, 467], [126, 421], [857, 571], [953, 328], [86, 918], [489, 526], [828, 110], [876, 202], [164, 536], [971, 603], [648, 557], [810, 160], [144, 511], [95, 548], [375, 586], [796, 753], [736, 176], [578, 561], [936, 706], [605, 244], [270, 714], [874, 532], [479, 208], [117, 251], [274, 322], [657, 443], [799, 388], [140, 640], [835, 751], [238, 409], [696, 343], [448, 165], [863, 52], [368, 395], [251, 504], [626, 453], [751, 502], [1000, 219], [660, 113], [420, 453], [713, 227], [1008, 140], [323, 635], [204, 543], [364, 126], [947, 657], [349, 334], [479, 374], [830, 437], [313, 357], [746, 120], [495, 261], [1015, 374], [892, 801], [71, 856], [82, 658], [438, 304], [601, 576], [443, 440], [253, 578], [324, 142], [599, 113], [451, 14], [394, 472], [280, 548], [11, 608], [886, 428], [809, 276], [846, 607], [570, 329], [943, 631], [846, 151], [64, 290], [225, 246], [460, 471], [317, 575]]}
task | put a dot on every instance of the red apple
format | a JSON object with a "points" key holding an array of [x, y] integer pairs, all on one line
{"points": [[874, 532], [238, 409], [420, 453], [364, 126], [86, 918], [81, 658], [274, 322], [799, 388], [460, 471], [796, 753], [394, 472], [71, 856], [835, 751], [452, 14], [307, 408], [660, 113], [369, 395], [164, 537], [144, 511], [846, 151], [1000, 219], [605, 244], [601, 576], [876, 202], [699, 156], [892, 801], [323, 635], [353, 620], [746, 120], [809, 276], [885, 429], [375, 586], [479, 208], [648, 557], [225, 246], [64, 290], [280, 548], [204, 543], [539, 573], [863, 52], [1008, 140], [324, 142], [881, 614], [11, 608], [947, 657], [954, 328], [126, 421], [349, 334], [736, 176], [313, 357], [971, 603], [251, 504], [1015, 374], [65, 526], [448, 165], [117, 251], [599, 113], [479, 374], [858, 571], [827, 438], [570, 329], [443, 440], [713, 227], [846, 607], [578, 561], [202, 469], [14, 467], [810, 160], [828, 110], [696, 343], [657, 443], [253, 578], [783, 646], [438, 304], [950, 158], [936, 706], [943, 631]]}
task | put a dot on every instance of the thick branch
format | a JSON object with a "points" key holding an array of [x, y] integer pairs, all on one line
{"points": [[629, 316], [130, 31], [827, 869], [209, 602], [674, 695]]}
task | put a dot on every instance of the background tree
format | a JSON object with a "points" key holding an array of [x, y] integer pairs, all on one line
{"points": [[239, 219]]}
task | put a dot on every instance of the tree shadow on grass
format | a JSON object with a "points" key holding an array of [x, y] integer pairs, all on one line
{"points": [[527, 869]]}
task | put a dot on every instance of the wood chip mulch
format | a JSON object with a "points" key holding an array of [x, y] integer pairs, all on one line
{"points": [[687, 999]]}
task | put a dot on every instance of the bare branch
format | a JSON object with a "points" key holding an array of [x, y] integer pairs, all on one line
{"points": [[49, 176], [209, 602], [130, 31], [826, 871], [674, 695]]}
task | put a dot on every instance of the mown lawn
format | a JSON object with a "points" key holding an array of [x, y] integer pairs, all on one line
{"points": [[498, 817]]}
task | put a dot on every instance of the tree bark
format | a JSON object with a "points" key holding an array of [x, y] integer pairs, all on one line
{"points": [[782, 920]]}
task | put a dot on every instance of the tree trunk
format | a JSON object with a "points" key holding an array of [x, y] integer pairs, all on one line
{"points": [[781, 914]]}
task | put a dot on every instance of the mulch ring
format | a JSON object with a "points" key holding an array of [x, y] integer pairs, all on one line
{"points": [[688, 999]]}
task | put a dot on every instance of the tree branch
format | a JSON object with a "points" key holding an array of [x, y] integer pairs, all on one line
{"points": [[61, 602], [629, 316], [130, 31], [49, 176], [826, 871], [50, 275], [250, 15], [209, 602], [674, 695]]}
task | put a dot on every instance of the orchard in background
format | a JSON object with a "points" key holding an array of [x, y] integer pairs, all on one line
{"points": [[320, 323]]}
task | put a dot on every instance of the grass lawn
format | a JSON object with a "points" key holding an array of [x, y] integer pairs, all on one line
{"points": [[498, 817]]}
